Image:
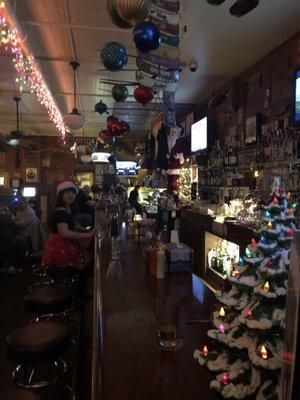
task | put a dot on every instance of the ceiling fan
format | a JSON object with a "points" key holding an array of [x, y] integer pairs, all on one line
{"points": [[16, 138]]}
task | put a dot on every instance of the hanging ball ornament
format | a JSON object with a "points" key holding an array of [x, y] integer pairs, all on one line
{"points": [[101, 107], [115, 16], [146, 37], [119, 127], [133, 11], [114, 56], [119, 92], [143, 95]]}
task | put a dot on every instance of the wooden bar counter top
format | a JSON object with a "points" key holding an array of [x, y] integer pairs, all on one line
{"points": [[135, 367]]}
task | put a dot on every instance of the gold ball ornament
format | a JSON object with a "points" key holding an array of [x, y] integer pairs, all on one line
{"points": [[133, 11], [114, 15]]}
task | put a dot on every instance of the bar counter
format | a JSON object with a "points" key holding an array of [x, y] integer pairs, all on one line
{"points": [[133, 366]]}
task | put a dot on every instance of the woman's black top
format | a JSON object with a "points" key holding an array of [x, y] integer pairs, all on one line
{"points": [[62, 217]]}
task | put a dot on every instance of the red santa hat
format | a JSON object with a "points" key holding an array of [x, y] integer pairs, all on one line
{"points": [[66, 185]]}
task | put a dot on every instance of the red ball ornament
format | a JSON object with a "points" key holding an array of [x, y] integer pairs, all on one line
{"points": [[143, 95], [280, 191], [275, 200], [249, 314], [118, 127], [290, 232], [225, 379], [270, 264], [290, 212]]}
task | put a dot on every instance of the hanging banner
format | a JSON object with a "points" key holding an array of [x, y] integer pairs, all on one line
{"points": [[148, 81], [164, 26], [169, 108], [157, 71], [160, 14], [170, 40], [171, 6], [162, 61]]}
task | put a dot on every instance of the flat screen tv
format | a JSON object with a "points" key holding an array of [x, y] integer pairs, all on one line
{"points": [[29, 191], [297, 97], [127, 168], [199, 135]]}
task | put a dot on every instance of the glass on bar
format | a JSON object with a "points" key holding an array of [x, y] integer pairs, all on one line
{"points": [[168, 322]]}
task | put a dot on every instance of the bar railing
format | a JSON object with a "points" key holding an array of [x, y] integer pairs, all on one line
{"points": [[97, 336]]}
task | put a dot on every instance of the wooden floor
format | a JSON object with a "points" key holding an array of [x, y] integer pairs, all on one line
{"points": [[134, 367]]}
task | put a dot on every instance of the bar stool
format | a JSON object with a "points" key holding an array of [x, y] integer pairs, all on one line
{"points": [[54, 302], [37, 348], [20, 394], [49, 300]]}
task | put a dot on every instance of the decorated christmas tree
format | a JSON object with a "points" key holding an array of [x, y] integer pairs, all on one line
{"points": [[185, 182], [249, 322]]}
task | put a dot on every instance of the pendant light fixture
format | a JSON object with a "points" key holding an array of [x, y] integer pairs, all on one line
{"points": [[74, 120]]}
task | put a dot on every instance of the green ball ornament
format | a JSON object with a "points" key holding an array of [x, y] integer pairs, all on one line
{"points": [[119, 92]]}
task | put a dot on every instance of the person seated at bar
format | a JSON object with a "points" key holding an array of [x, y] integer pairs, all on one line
{"points": [[66, 246], [134, 199], [83, 203], [24, 220]]}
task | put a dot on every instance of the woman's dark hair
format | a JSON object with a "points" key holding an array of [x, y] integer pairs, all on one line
{"points": [[59, 198]]}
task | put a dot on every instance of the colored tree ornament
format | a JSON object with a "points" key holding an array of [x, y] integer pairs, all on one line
{"points": [[263, 240], [275, 200], [249, 314], [290, 232], [281, 191], [253, 242], [146, 37], [290, 212], [241, 261], [264, 352], [222, 328], [270, 224], [222, 312], [114, 56], [266, 287], [225, 379], [119, 92], [133, 11], [289, 195], [143, 95], [205, 351], [248, 253], [268, 214], [270, 264]]}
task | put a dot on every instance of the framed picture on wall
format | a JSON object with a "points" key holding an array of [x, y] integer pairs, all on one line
{"points": [[31, 175], [252, 129], [4, 180]]}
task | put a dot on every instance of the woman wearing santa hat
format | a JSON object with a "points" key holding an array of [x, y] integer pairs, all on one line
{"points": [[65, 246]]}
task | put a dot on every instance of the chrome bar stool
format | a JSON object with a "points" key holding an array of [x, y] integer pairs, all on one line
{"points": [[38, 349]]}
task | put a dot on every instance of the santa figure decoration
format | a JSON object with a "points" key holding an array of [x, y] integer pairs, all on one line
{"points": [[178, 152]]}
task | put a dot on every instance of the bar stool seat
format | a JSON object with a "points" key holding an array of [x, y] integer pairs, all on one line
{"points": [[39, 342], [20, 394], [49, 299]]}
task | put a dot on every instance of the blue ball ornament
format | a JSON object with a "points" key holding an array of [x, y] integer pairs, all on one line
{"points": [[114, 56], [146, 37]]}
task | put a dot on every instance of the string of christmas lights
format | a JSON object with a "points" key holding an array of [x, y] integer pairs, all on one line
{"points": [[28, 74]]}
